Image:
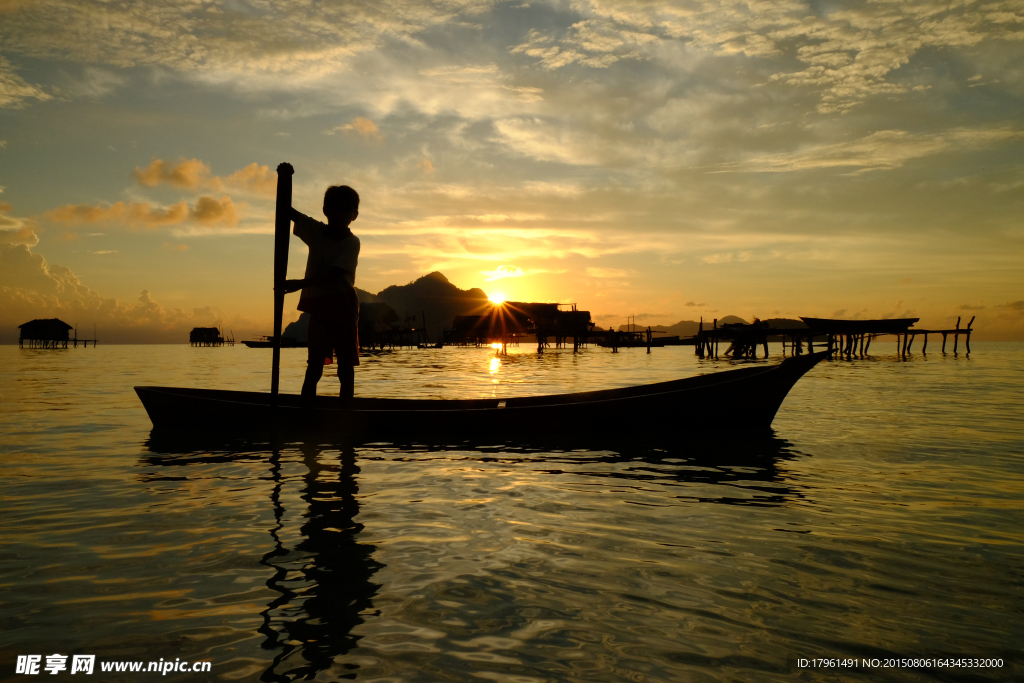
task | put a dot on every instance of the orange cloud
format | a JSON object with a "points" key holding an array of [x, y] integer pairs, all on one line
{"points": [[210, 211], [363, 126], [193, 174], [187, 173], [25, 235], [132, 214], [254, 178], [15, 230]]}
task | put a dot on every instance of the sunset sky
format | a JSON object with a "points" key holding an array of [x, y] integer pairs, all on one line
{"points": [[668, 160]]}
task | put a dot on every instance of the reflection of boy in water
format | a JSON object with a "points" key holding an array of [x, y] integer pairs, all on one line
{"points": [[328, 289]]}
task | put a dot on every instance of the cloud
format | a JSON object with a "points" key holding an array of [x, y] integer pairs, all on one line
{"points": [[502, 272], [93, 84], [281, 42], [1014, 305], [255, 179], [14, 90], [193, 174], [210, 211], [970, 307], [718, 258], [691, 304], [15, 230], [847, 52], [607, 272], [883, 150], [189, 174], [361, 125], [134, 214], [596, 44], [207, 211], [32, 288]]}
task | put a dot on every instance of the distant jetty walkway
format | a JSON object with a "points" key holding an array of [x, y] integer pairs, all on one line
{"points": [[847, 338]]}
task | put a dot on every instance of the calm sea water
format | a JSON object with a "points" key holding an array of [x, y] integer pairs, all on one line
{"points": [[883, 519]]}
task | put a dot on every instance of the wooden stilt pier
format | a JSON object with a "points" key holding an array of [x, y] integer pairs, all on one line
{"points": [[842, 338]]}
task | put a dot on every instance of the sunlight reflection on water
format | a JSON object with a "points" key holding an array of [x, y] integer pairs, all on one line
{"points": [[884, 517]]}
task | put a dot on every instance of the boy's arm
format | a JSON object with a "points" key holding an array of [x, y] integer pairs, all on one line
{"points": [[305, 226], [334, 276]]}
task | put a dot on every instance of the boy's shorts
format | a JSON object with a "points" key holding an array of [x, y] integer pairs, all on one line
{"points": [[336, 332]]}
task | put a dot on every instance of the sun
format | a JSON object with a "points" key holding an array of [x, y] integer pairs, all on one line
{"points": [[497, 298]]}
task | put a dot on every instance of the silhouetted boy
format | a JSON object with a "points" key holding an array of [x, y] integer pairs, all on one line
{"points": [[328, 290]]}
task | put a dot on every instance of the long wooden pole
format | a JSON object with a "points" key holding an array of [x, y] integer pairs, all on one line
{"points": [[282, 230]]}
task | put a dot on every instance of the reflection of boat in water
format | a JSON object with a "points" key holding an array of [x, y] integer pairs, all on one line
{"points": [[320, 571], [329, 602], [745, 399], [268, 343]]}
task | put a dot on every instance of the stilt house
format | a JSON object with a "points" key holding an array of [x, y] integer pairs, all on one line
{"points": [[44, 334]]}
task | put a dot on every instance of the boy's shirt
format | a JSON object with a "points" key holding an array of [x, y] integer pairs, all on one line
{"points": [[326, 252]]}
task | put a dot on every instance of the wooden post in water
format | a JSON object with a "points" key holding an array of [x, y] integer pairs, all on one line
{"points": [[868, 345], [956, 334], [715, 340], [967, 342], [282, 230], [648, 339], [924, 347]]}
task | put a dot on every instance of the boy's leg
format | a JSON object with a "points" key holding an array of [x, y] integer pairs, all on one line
{"points": [[314, 371], [315, 357], [347, 377]]}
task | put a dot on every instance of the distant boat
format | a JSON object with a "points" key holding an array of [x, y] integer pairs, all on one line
{"points": [[741, 400], [268, 343]]}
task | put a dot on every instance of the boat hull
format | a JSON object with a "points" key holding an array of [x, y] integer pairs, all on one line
{"points": [[743, 400]]}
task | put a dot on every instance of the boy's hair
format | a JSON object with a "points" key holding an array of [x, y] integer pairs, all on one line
{"points": [[340, 198]]}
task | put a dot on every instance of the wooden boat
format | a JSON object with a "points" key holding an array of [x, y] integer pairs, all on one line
{"points": [[268, 343], [741, 400], [834, 326]]}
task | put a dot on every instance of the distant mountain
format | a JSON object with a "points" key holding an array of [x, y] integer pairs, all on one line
{"points": [[436, 297], [366, 298], [431, 294], [687, 328], [298, 330]]}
